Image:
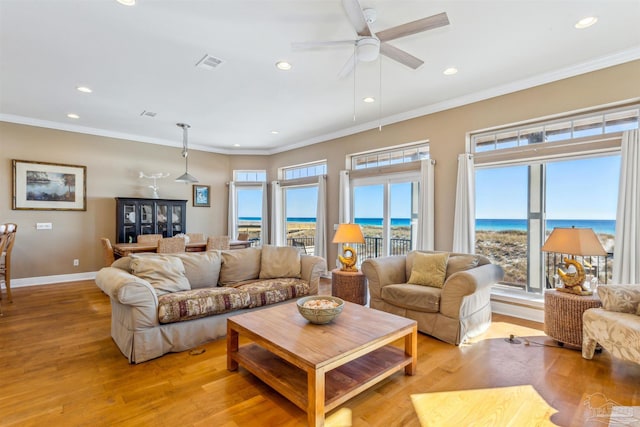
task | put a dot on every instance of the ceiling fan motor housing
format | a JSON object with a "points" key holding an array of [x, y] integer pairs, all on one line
{"points": [[368, 49]]}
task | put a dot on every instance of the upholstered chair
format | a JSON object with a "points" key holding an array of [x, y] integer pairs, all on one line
{"points": [[149, 238], [171, 245]]}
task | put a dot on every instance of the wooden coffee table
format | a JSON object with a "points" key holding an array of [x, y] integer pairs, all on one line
{"points": [[319, 367]]}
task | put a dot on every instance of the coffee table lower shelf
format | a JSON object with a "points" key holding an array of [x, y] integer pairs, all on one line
{"points": [[341, 383]]}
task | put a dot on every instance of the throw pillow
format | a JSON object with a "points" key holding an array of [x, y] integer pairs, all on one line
{"points": [[201, 268], [279, 261], [239, 265], [458, 263], [620, 298], [164, 272], [429, 269]]}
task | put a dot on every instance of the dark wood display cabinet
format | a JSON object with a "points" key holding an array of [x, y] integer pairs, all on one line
{"points": [[136, 216]]}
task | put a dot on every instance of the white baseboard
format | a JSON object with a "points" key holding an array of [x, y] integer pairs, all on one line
{"points": [[523, 310], [48, 280]]}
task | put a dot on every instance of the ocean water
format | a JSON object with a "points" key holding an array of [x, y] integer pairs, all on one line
{"points": [[600, 226]]}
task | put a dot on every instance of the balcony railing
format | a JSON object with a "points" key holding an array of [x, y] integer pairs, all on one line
{"points": [[371, 248]]}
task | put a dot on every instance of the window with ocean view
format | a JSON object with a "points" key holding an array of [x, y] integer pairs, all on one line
{"points": [[576, 192], [250, 212], [300, 213]]}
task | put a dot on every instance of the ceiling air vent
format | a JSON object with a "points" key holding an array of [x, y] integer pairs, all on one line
{"points": [[148, 113], [209, 62]]}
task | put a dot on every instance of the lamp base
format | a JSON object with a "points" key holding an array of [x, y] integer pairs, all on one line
{"points": [[348, 259]]}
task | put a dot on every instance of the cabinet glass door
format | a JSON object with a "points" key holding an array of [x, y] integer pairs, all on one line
{"points": [[146, 218], [129, 222], [161, 217], [176, 219]]}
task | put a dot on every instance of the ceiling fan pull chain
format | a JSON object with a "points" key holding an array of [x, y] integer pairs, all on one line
{"points": [[380, 97], [355, 63]]}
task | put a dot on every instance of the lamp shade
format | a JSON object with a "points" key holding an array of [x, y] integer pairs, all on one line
{"points": [[348, 233], [574, 241]]}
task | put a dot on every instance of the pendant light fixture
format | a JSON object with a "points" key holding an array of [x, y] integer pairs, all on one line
{"points": [[186, 177]]}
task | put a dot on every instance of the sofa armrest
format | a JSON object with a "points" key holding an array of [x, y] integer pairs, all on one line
{"points": [[460, 287], [384, 271], [126, 288], [311, 269]]}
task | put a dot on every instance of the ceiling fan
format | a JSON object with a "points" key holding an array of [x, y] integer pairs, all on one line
{"points": [[368, 45]]}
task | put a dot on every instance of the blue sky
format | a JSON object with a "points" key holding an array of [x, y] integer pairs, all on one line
{"points": [[576, 189]]}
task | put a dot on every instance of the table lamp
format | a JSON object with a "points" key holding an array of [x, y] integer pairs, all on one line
{"points": [[574, 241], [348, 233]]}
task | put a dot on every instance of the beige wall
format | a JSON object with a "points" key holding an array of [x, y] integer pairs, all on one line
{"points": [[113, 166], [112, 170]]}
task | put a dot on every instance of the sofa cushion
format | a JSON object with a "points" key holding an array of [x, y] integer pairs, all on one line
{"points": [[413, 297], [164, 272], [457, 263], [620, 298], [239, 265], [271, 291], [187, 305], [279, 261], [429, 269], [201, 268]]}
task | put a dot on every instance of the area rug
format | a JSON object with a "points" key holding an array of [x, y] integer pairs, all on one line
{"points": [[503, 406]]}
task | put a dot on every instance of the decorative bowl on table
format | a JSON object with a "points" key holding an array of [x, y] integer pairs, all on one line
{"points": [[320, 309]]}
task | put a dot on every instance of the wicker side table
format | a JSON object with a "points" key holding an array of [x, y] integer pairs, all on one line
{"points": [[563, 315], [349, 285]]}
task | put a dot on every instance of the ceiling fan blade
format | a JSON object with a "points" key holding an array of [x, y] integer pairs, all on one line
{"points": [[424, 24], [321, 44], [347, 68], [354, 12], [400, 55]]}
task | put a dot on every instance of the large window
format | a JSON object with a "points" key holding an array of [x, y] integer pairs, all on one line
{"points": [[300, 216], [386, 209], [249, 195], [523, 193]]}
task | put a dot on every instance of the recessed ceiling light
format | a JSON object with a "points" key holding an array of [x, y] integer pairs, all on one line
{"points": [[236, 145], [127, 2], [586, 22], [450, 71], [275, 132], [84, 89], [283, 65], [73, 116], [369, 99]]}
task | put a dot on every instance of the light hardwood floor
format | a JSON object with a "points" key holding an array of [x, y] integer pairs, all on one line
{"points": [[59, 366]]}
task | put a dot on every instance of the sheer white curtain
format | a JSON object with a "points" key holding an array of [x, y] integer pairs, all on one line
{"points": [[464, 229], [626, 263], [277, 214], [425, 212], [264, 235], [232, 221], [320, 248], [344, 202]]}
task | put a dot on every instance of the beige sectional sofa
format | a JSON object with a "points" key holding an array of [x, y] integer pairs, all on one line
{"points": [[453, 308], [164, 303]]}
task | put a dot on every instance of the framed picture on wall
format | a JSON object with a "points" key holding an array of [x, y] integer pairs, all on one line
{"points": [[49, 186], [201, 196]]}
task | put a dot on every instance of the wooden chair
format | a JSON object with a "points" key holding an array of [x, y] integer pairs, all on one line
{"points": [[148, 238], [5, 263], [196, 237], [107, 251], [243, 236], [171, 245], [218, 242]]}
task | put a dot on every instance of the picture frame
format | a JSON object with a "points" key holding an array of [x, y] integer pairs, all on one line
{"points": [[201, 195], [48, 186]]}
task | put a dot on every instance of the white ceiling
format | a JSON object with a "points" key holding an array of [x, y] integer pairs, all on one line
{"points": [[143, 58]]}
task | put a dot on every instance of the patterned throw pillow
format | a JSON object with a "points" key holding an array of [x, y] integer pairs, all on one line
{"points": [[164, 272], [429, 269], [279, 261], [620, 298]]}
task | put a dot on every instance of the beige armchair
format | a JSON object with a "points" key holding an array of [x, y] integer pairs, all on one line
{"points": [[615, 326], [460, 309]]}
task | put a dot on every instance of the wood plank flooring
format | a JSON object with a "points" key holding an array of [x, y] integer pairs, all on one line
{"points": [[59, 367]]}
